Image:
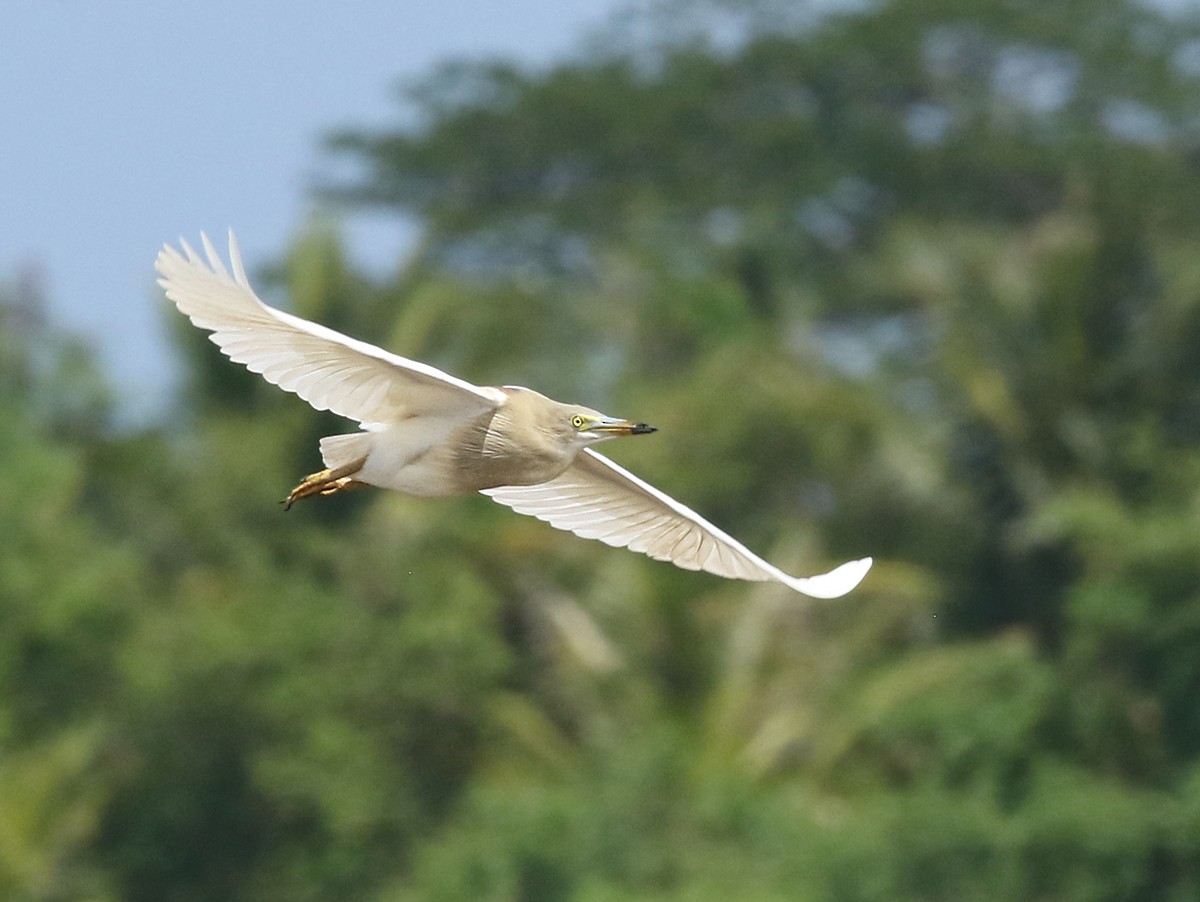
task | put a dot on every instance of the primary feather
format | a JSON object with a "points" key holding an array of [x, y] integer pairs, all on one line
{"points": [[329, 370]]}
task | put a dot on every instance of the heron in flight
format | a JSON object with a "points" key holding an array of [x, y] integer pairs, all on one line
{"points": [[426, 432]]}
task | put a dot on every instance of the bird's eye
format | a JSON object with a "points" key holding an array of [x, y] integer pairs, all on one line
{"points": [[577, 421]]}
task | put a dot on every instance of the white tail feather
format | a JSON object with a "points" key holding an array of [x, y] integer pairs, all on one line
{"points": [[339, 450]]}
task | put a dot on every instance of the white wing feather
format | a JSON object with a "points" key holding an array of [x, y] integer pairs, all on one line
{"points": [[327, 369], [597, 499]]}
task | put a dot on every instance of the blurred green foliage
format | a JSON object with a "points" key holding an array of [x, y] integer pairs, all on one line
{"points": [[915, 279]]}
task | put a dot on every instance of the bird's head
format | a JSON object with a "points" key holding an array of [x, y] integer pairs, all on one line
{"points": [[529, 418], [587, 427]]}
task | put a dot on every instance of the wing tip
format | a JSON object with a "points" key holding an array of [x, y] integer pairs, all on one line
{"points": [[185, 253], [837, 582]]}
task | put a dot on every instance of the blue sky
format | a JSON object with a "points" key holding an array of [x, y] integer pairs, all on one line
{"points": [[126, 124]]}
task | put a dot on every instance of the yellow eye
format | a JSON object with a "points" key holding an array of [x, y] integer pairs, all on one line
{"points": [[577, 421]]}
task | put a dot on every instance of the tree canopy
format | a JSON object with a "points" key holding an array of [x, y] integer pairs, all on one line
{"points": [[915, 279]]}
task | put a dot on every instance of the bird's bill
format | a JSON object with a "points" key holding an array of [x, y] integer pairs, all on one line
{"points": [[611, 426]]}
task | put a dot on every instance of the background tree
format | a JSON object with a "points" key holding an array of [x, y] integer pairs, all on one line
{"points": [[914, 279]]}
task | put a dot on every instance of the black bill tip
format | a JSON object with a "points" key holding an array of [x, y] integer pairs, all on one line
{"points": [[641, 429]]}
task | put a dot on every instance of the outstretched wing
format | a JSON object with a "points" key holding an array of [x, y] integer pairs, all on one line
{"points": [[327, 369], [597, 499]]}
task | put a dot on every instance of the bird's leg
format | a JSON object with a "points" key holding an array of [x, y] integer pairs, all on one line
{"points": [[327, 482]]}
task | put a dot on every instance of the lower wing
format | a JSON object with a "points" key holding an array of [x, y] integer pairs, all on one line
{"points": [[597, 499]]}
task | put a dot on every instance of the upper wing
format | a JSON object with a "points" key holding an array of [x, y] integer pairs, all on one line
{"points": [[327, 369], [597, 499]]}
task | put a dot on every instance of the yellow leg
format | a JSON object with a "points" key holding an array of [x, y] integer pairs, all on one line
{"points": [[327, 482]]}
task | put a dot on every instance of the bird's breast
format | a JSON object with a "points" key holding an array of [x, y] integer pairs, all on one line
{"points": [[492, 453]]}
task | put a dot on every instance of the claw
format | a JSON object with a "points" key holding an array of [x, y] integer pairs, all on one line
{"points": [[326, 482]]}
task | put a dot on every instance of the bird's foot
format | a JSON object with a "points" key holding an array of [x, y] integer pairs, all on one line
{"points": [[326, 482]]}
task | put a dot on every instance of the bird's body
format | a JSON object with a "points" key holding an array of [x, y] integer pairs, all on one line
{"points": [[488, 455], [435, 455], [428, 433]]}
